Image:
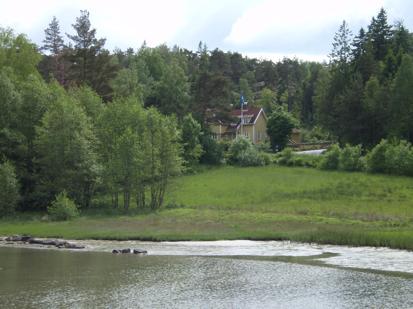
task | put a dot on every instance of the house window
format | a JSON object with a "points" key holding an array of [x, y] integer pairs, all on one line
{"points": [[246, 120]]}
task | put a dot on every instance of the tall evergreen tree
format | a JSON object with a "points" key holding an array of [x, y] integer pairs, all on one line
{"points": [[341, 53], [91, 64], [53, 65], [53, 41], [380, 33], [401, 103]]}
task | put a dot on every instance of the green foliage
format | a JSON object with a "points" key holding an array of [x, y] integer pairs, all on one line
{"points": [[127, 84], [399, 159], [279, 127], [376, 158], [213, 151], [62, 208], [391, 158], [350, 159], [268, 99], [18, 54], [140, 150], [89, 100], [191, 134], [315, 134], [90, 63], [331, 158], [67, 158], [401, 103], [269, 203], [10, 105], [243, 153], [171, 92], [53, 41], [288, 158], [285, 157], [9, 193]]}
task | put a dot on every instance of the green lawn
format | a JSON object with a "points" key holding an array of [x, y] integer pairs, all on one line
{"points": [[260, 203]]}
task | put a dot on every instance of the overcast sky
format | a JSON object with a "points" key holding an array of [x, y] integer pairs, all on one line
{"points": [[257, 28]]}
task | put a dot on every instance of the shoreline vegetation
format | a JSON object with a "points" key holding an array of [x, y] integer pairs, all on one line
{"points": [[83, 128], [254, 203]]}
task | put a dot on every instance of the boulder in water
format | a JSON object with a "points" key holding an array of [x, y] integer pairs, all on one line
{"points": [[139, 251]]}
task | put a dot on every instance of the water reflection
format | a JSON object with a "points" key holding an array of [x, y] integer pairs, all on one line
{"points": [[51, 278]]}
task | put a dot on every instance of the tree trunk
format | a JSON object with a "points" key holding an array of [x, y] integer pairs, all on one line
{"points": [[115, 199], [140, 197], [126, 199]]}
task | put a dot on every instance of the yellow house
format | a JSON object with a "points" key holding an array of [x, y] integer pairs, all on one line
{"points": [[250, 122]]}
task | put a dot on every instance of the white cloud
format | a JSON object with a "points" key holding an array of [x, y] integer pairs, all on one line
{"points": [[282, 20], [267, 28], [124, 23]]}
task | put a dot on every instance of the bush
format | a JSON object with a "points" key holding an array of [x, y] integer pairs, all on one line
{"points": [[376, 158], [279, 127], [289, 158], [350, 159], [264, 147], [399, 159], [285, 157], [330, 159], [243, 153], [9, 189], [266, 158], [213, 151], [62, 208]]}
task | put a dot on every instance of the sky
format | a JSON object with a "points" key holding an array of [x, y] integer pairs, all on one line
{"points": [[266, 29]]}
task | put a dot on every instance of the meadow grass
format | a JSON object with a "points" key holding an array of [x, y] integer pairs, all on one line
{"points": [[282, 203]]}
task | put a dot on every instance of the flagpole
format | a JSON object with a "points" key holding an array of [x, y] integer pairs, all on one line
{"points": [[242, 116], [242, 112]]}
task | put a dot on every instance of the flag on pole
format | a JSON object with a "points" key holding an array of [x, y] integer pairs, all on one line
{"points": [[242, 101]]}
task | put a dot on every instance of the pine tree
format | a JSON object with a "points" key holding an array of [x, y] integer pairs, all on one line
{"points": [[359, 44], [380, 34], [54, 64], [91, 64], [341, 53], [401, 103], [53, 41]]}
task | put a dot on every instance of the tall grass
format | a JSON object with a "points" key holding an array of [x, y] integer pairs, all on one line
{"points": [[269, 202]]}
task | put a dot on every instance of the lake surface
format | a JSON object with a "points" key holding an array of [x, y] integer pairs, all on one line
{"points": [[205, 275]]}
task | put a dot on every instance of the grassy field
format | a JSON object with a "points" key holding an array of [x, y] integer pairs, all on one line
{"points": [[259, 203]]}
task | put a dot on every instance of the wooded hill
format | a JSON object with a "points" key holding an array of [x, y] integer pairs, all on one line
{"points": [[77, 117]]}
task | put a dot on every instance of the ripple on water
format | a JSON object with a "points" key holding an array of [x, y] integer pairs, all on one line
{"points": [[94, 280], [383, 259]]}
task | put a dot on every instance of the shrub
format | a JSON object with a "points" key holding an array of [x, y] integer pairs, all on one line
{"points": [[243, 153], [279, 127], [62, 208], [330, 159], [376, 158], [399, 159], [350, 159], [289, 158], [285, 157], [213, 151], [9, 189], [264, 147], [266, 158]]}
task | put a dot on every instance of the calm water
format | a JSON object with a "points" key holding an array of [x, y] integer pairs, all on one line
{"points": [[34, 278]]}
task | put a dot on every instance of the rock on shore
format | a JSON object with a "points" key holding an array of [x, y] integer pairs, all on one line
{"points": [[44, 242]]}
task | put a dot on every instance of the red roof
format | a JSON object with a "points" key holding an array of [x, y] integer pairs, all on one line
{"points": [[251, 112]]}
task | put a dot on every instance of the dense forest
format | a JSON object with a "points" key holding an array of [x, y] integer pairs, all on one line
{"points": [[80, 119]]}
